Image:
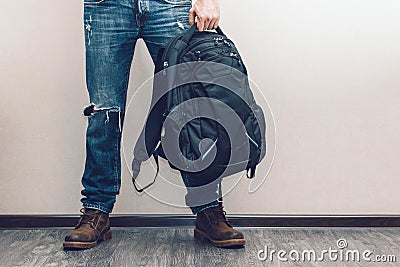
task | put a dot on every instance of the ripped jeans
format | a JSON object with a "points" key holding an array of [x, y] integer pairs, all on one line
{"points": [[112, 28]]}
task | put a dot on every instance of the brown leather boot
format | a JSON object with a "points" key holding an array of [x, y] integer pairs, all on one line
{"points": [[92, 227], [211, 224]]}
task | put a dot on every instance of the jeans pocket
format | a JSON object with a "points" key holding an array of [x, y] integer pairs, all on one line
{"points": [[93, 2], [178, 2]]}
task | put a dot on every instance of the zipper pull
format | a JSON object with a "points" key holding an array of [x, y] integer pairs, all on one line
{"points": [[165, 64], [235, 55], [197, 53], [227, 43], [217, 40]]}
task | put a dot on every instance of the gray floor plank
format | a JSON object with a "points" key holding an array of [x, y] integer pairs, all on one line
{"points": [[177, 247]]}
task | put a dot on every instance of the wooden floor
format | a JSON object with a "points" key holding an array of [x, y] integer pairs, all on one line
{"points": [[176, 247]]}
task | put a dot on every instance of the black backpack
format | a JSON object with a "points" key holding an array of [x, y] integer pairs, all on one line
{"points": [[202, 110]]}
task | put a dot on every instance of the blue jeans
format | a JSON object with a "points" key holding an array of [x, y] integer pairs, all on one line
{"points": [[112, 28]]}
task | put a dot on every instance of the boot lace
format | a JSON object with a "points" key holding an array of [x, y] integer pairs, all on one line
{"points": [[220, 216], [87, 217]]}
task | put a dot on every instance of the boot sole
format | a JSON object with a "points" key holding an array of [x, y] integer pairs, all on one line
{"points": [[84, 245], [201, 236]]}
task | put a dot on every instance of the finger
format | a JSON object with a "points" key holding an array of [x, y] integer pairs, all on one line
{"points": [[192, 15], [207, 23], [215, 24], [211, 25], [200, 24]]}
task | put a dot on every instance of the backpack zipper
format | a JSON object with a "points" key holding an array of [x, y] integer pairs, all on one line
{"points": [[209, 149], [251, 139], [231, 55], [214, 40], [199, 52]]}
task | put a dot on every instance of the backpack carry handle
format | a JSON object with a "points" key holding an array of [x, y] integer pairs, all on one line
{"points": [[189, 34]]}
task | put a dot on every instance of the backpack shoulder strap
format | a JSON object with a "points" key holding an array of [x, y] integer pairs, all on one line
{"points": [[155, 156]]}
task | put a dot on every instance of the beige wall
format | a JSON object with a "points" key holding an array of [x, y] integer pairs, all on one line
{"points": [[328, 68]]}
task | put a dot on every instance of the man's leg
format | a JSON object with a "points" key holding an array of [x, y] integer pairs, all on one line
{"points": [[164, 20], [205, 200], [110, 37]]}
